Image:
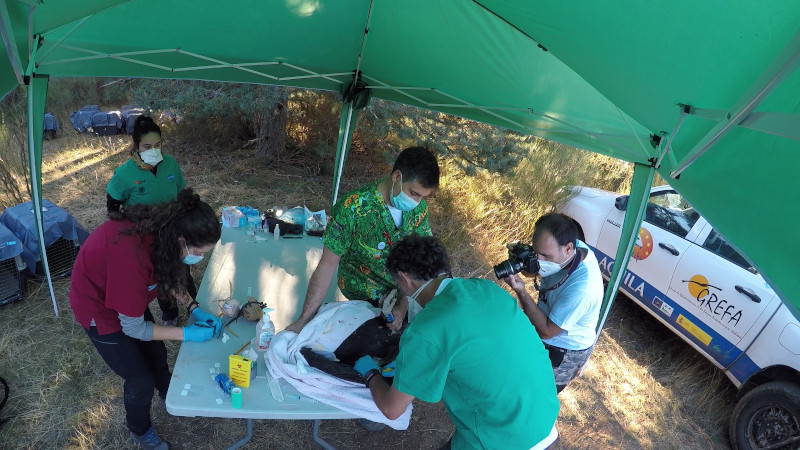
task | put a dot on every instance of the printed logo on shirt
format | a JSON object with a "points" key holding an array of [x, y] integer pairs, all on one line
{"points": [[170, 177], [150, 288], [139, 182]]}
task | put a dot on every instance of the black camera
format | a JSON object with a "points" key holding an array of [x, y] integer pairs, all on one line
{"points": [[521, 257]]}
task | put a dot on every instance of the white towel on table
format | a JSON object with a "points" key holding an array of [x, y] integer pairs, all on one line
{"points": [[324, 333]]}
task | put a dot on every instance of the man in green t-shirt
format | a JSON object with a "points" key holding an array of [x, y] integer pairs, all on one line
{"points": [[470, 346], [365, 224]]}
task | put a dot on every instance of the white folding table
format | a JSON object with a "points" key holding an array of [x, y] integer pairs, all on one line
{"points": [[275, 272]]}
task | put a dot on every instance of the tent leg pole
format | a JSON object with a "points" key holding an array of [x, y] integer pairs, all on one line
{"points": [[634, 213], [36, 112], [343, 146]]}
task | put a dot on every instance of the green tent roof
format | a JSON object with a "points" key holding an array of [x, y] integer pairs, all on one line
{"points": [[716, 79]]}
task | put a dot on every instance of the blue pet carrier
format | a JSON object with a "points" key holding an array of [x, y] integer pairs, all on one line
{"points": [[51, 126], [12, 275], [82, 119], [63, 236], [129, 115], [106, 123]]}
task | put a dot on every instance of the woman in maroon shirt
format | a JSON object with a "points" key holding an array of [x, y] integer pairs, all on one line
{"points": [[123, 266]]}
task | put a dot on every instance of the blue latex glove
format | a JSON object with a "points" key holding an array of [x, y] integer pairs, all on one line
{"points": [[198, 332], [206, 317], [365, 364], [388, 370]]}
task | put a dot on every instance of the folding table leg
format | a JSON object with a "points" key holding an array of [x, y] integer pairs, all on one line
{"points": [[246, 437], [315, 433]]}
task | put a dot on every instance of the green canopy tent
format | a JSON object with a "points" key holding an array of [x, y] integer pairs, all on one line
{"points": [[703, 93]]}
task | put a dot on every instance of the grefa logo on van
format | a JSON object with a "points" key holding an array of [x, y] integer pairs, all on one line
{"points": [[708, 299]]}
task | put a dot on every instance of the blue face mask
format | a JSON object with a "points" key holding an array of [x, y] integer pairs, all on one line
{"points": [[190, 258], [402, 201]]}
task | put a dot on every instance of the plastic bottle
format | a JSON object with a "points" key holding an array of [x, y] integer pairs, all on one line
{"points": [[252, 228], [254, 223], [264, 330], [277, 233]]}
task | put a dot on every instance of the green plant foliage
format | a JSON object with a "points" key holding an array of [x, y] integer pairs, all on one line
{"points": [[550, 166], [13, 149], [213, 112], [315, 117], [472, 145], [66, 95]]}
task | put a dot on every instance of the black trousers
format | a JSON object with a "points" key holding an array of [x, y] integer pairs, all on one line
{"points": [[143, 366], [169, 310]]}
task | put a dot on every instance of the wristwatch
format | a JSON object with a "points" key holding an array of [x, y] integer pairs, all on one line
{"points": [[369, 375], [189, 306]]}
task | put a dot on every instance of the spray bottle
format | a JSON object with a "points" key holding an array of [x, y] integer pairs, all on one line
{"points": [[264, 331]]}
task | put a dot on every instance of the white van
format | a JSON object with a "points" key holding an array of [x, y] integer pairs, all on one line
{"points": [[698, 284]]}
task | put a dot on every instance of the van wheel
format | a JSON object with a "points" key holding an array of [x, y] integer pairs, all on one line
{"points": [[767, 417]]}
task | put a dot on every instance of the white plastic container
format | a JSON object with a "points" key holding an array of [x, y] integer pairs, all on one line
{"points": [[277, 233], [265, 330]]}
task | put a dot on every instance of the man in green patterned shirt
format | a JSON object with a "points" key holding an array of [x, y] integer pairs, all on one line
{"points": [[364, 226]]}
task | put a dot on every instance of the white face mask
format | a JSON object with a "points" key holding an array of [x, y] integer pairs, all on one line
{"points": [[151, 156], [414, 307], [547, 268]]}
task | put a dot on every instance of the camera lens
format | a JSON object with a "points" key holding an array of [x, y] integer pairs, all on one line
{"points": [[506, 268]]}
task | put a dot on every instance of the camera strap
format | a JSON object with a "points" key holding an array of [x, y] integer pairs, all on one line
{"points": [[576, 261]]}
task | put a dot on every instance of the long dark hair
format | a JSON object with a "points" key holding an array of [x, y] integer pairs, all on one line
{"points": [[186, 217], [142, 126]]}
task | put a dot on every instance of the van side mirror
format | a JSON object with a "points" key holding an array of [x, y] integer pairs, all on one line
{"points": [[621, 203]]}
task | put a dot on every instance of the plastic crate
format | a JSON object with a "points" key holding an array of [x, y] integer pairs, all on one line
{"points": [[61, 256], [12, 280]]}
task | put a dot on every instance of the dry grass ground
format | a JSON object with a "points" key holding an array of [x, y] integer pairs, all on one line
{"points": [[644, 388]]}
